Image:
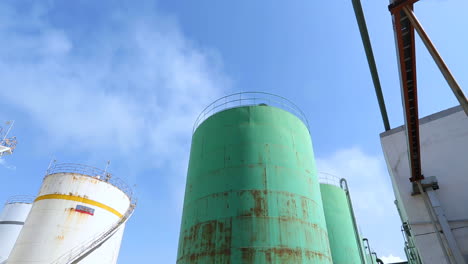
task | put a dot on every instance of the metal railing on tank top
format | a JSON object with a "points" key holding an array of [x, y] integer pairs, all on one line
{"points": [[249, 99]]}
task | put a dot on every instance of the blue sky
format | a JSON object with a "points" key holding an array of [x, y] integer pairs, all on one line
{"points": [[91, 81]]}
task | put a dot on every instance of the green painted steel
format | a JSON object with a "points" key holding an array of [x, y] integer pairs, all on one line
{"points": [[252, 194], [341, 232]]}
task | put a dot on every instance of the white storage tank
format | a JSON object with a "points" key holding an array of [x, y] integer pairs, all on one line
{"points": [[11, 222], [78, 217]]}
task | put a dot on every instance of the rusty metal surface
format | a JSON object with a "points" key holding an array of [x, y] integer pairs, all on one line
{"points": [[252, 194], [96, 173], [54, 226], [404, 37]]}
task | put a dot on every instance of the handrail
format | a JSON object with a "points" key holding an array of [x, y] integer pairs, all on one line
{"points": [[74, 167], [97, 173], [27, 199], [249, 99], [82, 250], [327, 178]]}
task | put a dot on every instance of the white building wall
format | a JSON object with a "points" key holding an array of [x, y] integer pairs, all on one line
{"points": [[54, 227], [11, 222], [444, 145]]}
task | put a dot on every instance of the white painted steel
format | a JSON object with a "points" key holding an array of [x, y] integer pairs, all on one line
{"points": [[11, 222], [54, 227], [444, 143], [5, 151]]}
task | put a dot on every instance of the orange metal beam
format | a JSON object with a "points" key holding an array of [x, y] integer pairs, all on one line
{"points": [[451, 81], [404, 35]]}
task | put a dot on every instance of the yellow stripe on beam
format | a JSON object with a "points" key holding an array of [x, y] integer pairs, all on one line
{"points": [[78, 199]]}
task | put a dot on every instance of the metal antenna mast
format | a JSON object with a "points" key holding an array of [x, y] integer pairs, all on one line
{"points": [[7, 145]]}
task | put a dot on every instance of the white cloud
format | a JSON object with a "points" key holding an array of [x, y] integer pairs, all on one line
{"points": [[134, 91], [371, 194], [128, 90], [366, 176], [391, 259]]}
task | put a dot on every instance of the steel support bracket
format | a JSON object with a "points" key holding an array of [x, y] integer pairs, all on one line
{"points": [[429, 182], [399, 4]]}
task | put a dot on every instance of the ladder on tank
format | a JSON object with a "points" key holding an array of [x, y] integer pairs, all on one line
{"points": [[78, 253]]}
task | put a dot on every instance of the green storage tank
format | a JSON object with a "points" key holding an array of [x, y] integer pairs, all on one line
{"points": [[342, 234], [252, 193], [370, 259]]}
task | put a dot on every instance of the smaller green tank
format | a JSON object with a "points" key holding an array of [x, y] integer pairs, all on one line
{"points": [[342, 234]]}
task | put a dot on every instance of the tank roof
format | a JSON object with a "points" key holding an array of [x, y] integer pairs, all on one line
{"points": [[99, 174], [27, 199], [249, 99], [327, 178]]}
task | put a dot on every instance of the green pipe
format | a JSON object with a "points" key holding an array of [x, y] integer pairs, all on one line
{"points": [[344, 186], [368, 249], [379, 261], [370, 59]]}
